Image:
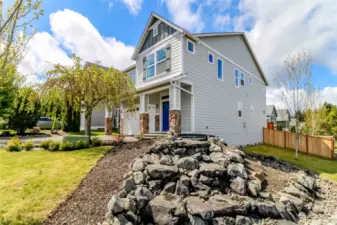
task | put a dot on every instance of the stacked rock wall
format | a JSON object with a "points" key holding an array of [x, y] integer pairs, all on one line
{"points": [[192, 182]]}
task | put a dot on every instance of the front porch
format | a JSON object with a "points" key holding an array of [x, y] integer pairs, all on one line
{"points": [[159, 110]]}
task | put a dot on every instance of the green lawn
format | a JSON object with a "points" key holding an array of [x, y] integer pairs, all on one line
{"points": [[33, 183], [325, 168], [93, 132]]}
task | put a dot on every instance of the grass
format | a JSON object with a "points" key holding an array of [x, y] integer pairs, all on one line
{"points": [[33, 183], [93, 132], [323, 167], [12, 132]]}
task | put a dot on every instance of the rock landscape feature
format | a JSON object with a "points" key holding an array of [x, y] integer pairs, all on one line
{"points": [[194, 182]]}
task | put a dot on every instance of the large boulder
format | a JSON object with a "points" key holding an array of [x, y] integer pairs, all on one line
{"points": [[196, 207], [188, 163], [306, 181], [181, 189], [254, 187], [143, 196], [297, 202], [211, 169], [202, 189], [164, 208], [128, 185], [158, 171], [220, 158], [166, 160], [116, 205], [138, 165], [237, 170], [233, 156], [214, 148], [242, 220], [138, 177], [224, 206], [239, 186]]}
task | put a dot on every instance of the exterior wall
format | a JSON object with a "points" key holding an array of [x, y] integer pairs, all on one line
{"points": [[235, 48], [186, 111], [175, 41], [216, 102]]}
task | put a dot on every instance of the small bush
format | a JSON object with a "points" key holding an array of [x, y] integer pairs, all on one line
{"points": [[28, 145], [45, 144], [139, 136], [66, 146], [54, 146], [14, 145], [81, 144], [293, 129], [96, 141]]}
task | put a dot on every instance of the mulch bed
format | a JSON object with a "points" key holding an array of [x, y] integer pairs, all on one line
{"points": [[87, 204]]}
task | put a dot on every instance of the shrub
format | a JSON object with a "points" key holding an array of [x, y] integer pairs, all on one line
{"points": [[14, 145], [293, 129], [66, 146], [54, 146], [96, 141], [45, 144], [74, 138], [139, 136], [81, 144], [28, 145]]}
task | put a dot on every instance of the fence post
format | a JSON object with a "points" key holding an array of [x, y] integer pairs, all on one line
{"points": [[332, 146], [306, 144], [285, 139]]}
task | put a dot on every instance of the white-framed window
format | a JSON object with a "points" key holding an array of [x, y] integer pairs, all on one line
{"points": [[155, 30], [236, 78], [160, 55], [220, 74], [239, 109], [252, 109], [132, 75], [210, 58], [190, 46], [150, 66], [250, 80], [242, 79]]}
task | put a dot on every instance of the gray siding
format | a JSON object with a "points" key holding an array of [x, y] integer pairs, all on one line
{"points": [[216, 102], [235, 48], [97, 116], [164, 31], [175, 42], [186, 110]]}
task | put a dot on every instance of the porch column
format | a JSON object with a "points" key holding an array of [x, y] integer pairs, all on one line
{"points": [[175, 108], [143, 114], [108, 120]]}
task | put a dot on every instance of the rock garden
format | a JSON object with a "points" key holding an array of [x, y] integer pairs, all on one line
{"points": [[194, 182]]}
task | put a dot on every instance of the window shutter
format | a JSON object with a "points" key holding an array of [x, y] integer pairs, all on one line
{"points": [[168, 57], [144, 68]]}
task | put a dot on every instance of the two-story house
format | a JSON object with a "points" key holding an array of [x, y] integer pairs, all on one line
{"points": [[207, 83]]}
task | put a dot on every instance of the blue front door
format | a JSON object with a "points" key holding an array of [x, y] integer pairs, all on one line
{"points": [[166, 109]]}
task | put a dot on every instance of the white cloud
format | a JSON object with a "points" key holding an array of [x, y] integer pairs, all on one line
{"points": [[221, 21], [328, 94], [134, 6], [72, 33], [183, 14], [286, 27]]}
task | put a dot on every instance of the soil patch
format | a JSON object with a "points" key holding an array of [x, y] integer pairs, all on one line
{"points": [[87, 204]]}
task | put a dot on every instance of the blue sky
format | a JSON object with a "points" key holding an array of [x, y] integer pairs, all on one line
{"points": [[115, 26]]}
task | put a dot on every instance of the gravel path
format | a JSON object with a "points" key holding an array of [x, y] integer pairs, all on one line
{"points": [[87, 205]]}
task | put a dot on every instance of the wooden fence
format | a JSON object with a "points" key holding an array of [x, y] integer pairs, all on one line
{"points": [[319, 146]]}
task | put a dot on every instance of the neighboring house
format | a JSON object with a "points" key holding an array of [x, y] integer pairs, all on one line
{"points": [[283, 119], [271, 113], [209, 83]]}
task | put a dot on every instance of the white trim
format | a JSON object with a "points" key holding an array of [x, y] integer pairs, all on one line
{"points": [[209, 53], [155, 82], [156, 55], [192, 111], [236, 69], [156, 90], [193, 43], [242, 73], [231, 61], [182, 68], [217, 69]]}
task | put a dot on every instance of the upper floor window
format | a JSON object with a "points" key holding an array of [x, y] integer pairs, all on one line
{"points": [[190, 46], [239, 109], [219, 69], [210, 58], [161, 55], [236, 78], [150, 70], [132, 75], [242, 79]]}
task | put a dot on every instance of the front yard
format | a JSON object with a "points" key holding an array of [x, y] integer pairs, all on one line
{"points": [[325, 168], [33, 183]]}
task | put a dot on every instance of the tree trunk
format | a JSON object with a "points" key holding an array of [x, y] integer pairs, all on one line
{"points": [[87, 129], [297, 139]]}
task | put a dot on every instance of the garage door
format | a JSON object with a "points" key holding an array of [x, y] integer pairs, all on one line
{"points": [[131, 122]]}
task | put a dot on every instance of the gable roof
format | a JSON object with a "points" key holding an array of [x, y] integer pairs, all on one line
{"points": [[250, 49], [195, 37], [270, 109]]}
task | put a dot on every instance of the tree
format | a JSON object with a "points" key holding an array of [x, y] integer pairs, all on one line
{"points": [[25, 110], [15, 30], [329, 121], [314, 113], [294, 87], [85, 88]]}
